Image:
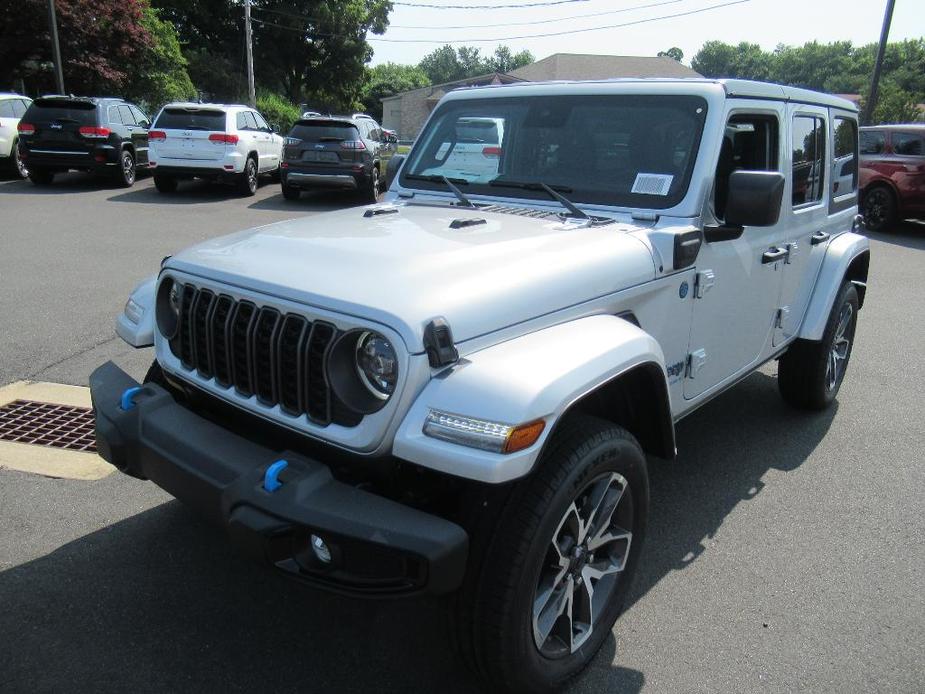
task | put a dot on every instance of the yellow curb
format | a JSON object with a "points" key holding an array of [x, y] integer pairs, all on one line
{"points": [[44, 460]]}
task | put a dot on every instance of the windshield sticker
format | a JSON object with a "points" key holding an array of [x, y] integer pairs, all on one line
{"points": [[652, 184]]}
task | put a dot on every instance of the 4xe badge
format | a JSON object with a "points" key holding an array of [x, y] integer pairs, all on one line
{"points": [[675, 371]]}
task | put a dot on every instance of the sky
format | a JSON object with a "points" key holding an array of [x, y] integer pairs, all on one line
{"points": [[765, 22]]}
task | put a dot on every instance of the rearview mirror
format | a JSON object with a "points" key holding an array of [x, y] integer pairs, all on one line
{"points": [[391, 170], [754, 198]]}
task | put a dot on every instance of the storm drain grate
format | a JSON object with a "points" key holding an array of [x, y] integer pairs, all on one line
{"points": [[48, 424]]}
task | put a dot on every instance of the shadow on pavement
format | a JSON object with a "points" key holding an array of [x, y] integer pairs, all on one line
{"points": [[161, 601], [908, 234], [188, 193], [71, 182], [318, 201]]}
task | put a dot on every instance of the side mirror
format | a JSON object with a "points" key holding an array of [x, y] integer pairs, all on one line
{"points": [[274, 128], [391, 170], [754, 198]]}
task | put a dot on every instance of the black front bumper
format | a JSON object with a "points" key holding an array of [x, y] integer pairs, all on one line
{"points": [[378, 546]]}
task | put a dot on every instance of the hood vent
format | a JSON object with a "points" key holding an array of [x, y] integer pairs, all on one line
{"points": [[376, 211], [519, 211], [467, 222]]}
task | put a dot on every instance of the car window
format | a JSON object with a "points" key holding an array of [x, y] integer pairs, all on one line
{"points": [[127, 116], [873, 142], [323, 131], [239, 121], [115, 116], [182, 118], [908, 144], [6, 109], [250, 120], [845, 157], [808, 147], [750, 143], [20, 106], [53, 110], [261, 123], [140, 118]]}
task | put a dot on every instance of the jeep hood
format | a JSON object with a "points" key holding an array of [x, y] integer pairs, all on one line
{"points": [[405, 268]]}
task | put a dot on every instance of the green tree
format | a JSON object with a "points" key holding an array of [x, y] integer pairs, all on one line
{"points": [[442, 65], [894, 105], [674, 52], [388, 79], [159, 75], [447, 64], [505, 60], [745, 61]]}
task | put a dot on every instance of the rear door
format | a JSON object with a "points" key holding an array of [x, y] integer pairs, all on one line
{"points": [[187, 130], [57, 125], [137, 124]]}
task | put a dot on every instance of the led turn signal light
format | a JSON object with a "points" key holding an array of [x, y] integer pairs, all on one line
{"points": [[523, 436]]}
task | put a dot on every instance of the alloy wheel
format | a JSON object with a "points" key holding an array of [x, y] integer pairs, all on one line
{"points": [[128, 168], [21, 168], [251, 175], [876, 207], [583, 564], [840, 348]]}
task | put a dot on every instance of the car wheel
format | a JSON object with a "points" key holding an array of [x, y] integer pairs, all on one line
{"points": [[19, 166], [549, 578], [165, 184], [810, 373], [291, 192], [41, 177], [125, 176], [247, 183], [879, 208], [373, 191]]}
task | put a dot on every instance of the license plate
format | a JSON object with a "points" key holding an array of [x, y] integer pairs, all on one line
{"points": [[320, 156]]}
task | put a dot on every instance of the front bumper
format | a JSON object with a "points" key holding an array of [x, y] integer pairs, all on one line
{"points": [[379, 547]]}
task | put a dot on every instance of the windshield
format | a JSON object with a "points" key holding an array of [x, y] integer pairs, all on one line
{"points": [[191, 119], [628, 151]]}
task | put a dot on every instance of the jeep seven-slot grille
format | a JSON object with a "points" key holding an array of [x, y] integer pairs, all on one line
{"points": [[259, 351]]}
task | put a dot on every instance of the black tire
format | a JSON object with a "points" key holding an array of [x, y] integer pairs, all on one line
{"points": [[804, 374], [493, 614], [291, 192], [41, 177], [247, 179], [879, 208], [165, 184], [17, 164], [125, 171], [373, 190]]}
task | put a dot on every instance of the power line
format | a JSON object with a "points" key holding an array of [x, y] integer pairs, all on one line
{"points": [[547, 3]]}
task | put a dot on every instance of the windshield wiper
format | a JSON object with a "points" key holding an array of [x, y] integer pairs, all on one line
{"points": [[551, 190], [435, 178]]}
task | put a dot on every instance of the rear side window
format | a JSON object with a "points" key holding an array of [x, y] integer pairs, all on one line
{"points": [[115, 116], [873, 142], [61, 110], [845, 161], [908, 144], [324, 131], [808, 159], [19, 107], [191, 119], [127, 117], [6, 109]]}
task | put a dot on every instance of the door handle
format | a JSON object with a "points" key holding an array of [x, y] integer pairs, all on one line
{"points": [[773, 255], [819, 237]]}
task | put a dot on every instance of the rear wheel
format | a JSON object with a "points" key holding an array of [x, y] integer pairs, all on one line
{"points": [[879, 208], [373, 188], [19, 166], [125, 175], [291, 192], [165, 184], [247, 183], [41, 177]]}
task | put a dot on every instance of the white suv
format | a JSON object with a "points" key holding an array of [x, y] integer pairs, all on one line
{"points": [[233, 144], [12, 108]]}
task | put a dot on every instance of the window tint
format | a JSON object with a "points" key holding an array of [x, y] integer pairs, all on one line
{"points": [[261, 123], [323, 131], [140, 118], [6, 109], [52, 110], [191, 119], [750, 143], [845, 162], [249, 119], [115, 116], [808, 159], [908, 144], [873, 142], [19, 107], [127, 117]]}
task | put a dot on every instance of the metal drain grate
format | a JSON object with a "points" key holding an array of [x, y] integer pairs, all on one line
{"points": [[48, 424]]}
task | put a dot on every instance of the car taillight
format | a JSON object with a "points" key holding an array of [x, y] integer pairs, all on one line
{"points": [[25, 128], [93, 131], [156, 135], [224, 138], [491, 151], [352, 144]]}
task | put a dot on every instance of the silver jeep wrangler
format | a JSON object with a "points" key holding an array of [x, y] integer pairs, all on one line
{"points": [[456, 391]]}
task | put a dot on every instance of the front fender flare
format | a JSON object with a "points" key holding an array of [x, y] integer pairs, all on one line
{"points": [[842, 251], [535, 376], [135, 324]]}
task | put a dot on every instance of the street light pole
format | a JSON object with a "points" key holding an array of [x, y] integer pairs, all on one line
{"points": [[249, 40], [875, 81], [55, 48]]}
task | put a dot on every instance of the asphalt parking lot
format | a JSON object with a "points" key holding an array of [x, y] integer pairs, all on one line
{"points": [[786, 552]]}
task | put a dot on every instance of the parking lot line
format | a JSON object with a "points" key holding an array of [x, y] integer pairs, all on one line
{"points": [[44, 460]]}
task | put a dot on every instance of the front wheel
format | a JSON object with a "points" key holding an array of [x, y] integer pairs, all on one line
{"points": [[555, 574], [247, 183]]}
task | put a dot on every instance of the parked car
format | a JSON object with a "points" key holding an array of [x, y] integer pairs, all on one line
{"points": [[335, 152], [12, 108], [455, 392], [892, 174], [475, 150], [101, 135], [217, 142]]}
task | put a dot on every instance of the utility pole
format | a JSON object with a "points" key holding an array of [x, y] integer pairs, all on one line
{"points": [[249, 39], [875, 81], [55, 48]]}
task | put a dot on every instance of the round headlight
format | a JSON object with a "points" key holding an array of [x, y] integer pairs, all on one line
{"points": [[377, 364], [167, 308]]}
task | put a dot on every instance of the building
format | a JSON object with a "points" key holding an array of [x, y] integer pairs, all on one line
{"points": [[406, 112]]}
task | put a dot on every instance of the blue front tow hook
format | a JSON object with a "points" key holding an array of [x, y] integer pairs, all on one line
{"points": [[271, 479], [127, 402]]}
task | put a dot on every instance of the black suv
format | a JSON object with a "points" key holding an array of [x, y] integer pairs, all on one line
{"points": [[100, 135], [339, 152]]}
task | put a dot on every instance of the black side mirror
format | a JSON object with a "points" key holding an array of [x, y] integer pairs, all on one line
{"points": [[754, 198], [391, 170]]}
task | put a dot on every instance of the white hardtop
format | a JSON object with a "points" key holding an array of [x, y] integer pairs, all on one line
{"points": [[13, 95], [732, 88]]}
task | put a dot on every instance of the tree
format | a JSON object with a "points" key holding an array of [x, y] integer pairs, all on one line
{"points": [[442, 65], [159, 74], [505, 60], [745, 61], [388, 79], [674, 52], [447, 64], [894, 105]]}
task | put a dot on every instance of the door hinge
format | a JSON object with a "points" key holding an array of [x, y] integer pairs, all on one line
{"points": [[696, 360], [703, 282], [781, 318]]}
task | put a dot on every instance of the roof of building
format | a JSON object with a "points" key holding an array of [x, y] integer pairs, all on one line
{"points": [[583, 66]]}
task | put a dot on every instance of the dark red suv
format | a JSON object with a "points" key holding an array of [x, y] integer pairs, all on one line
{"points": [[892, 174]]}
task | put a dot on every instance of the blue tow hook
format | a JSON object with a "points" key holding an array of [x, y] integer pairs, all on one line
{"points": [[127, 402], [271, 479]]}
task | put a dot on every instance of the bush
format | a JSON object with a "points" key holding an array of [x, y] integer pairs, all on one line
{"points": [[277, 110]]}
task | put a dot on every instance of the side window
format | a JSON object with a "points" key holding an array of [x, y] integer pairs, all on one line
{"points": [[261, 123], [19, 107], [873, 142], [251, 121], [845, 157], [750, 143], [114, 115], [6, 109], [140, 117], [808, 146], [240, 122], [127, 117], [908, 144]]}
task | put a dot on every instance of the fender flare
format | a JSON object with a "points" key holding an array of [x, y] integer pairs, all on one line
{"points": [[135, 324], [535, 376], [847, 256]]}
